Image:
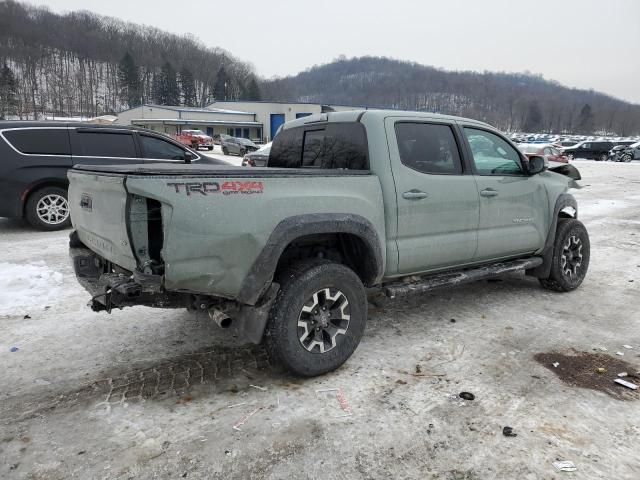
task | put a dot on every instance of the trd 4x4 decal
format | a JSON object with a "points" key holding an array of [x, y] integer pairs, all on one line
{"points": [[208, 188]]}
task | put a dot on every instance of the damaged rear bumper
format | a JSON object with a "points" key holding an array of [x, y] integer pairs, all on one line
{"points": [[111, 286]]}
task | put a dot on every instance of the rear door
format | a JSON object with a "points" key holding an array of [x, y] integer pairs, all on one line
{"points": [[437, 200], [103, 146], [513, 205]]}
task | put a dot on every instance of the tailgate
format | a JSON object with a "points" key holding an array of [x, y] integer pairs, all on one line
{"points": [[98, 206]]}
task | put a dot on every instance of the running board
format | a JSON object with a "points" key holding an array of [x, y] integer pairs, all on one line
{"points": [[450, 279]]}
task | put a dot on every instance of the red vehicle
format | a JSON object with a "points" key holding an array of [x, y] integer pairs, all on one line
{"points": [[549, 152], [195, 139]]}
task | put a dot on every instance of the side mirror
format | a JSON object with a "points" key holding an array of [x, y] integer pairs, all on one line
{"points": [[188, 156], [536, 165]]}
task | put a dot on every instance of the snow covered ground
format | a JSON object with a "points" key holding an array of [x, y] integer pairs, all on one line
{"points": [[146, 393]]}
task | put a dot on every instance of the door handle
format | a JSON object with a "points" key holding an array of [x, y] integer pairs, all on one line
{"points": [[415, 195], [489, 192]]}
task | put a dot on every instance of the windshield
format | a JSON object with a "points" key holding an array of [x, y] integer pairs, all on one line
{"points": [[246, 141]]}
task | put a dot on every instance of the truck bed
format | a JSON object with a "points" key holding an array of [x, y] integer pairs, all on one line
{"points": [[204, 226]]}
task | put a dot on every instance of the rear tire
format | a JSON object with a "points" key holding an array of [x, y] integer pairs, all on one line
{"points": [[48, 209], [570, 156], [603, 157], [317, 319], [571, 252]]}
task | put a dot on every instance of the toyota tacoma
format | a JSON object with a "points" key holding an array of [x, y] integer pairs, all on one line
{"points": [[351, 204]]}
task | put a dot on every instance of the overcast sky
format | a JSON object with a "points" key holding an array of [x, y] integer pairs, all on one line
{"points": [[580, 43]]}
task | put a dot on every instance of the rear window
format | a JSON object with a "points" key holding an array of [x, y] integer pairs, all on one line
{"points": [[326, 146], [40, 141], [107, 144]]}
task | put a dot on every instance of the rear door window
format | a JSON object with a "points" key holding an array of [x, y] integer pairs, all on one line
{"points": [[104, 144], [159, 149], [327, 146], [428, 148], [40, 141]]}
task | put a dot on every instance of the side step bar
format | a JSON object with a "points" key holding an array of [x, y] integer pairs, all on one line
{"points": [[450, 279]]}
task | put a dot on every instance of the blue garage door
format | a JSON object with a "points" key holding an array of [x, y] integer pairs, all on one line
{"points": [[277, 119]]}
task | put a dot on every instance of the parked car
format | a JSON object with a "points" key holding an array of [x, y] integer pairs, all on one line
{"points": [[237, 146], [195, 139], [632, 152], [567, 143], [258, 158], [249, 146], [36, 156], [548, 152], [589, 149], [357, 202], [617, 150]]}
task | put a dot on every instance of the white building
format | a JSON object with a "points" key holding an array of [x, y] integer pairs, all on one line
{"points": [[254, 120]]}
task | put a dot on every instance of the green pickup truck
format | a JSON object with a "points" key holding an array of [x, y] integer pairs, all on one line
{"points": [[351, 204]]}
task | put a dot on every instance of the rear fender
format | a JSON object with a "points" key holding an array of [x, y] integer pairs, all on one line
{"points": [[263, 269]]}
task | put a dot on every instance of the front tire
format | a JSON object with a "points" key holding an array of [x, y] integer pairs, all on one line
{"points": [[625, 158], [225, 151], [571, 252], [603, 157], [317, 319], [570, 156], [48, 209]]}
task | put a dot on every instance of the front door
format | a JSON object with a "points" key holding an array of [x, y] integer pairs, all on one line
{"points": [[438, 206], [514, 208]]}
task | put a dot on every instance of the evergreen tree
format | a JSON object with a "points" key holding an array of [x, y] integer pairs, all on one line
{"points": [[166, 90], [221, 87], [251, 90], [8, 93], [188, 86], [533, 120], [585, 120], [129, 81]]}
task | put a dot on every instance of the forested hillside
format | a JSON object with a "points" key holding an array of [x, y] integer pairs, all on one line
{"points": [[86, 64], [509, 101]]}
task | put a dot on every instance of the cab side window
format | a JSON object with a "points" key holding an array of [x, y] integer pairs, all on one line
{"points": [[492, 155], [428, 148], [159, 149]]}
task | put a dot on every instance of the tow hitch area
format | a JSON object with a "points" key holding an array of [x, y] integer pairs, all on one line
{"points": [[111, 289]]}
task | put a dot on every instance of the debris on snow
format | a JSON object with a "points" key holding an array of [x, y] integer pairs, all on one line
{"points": [[628, 347], [342, 400], [624, 383], [565, 466], [623, 374], [258, 388], [620, 353], [467, 396], [555, 364], [601, 370], [237, 405], [243, 420], [508, 432], [14, 349]]}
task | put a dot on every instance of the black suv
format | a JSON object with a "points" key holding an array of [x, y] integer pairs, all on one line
{"points": [[588, 149], [35, 157]]}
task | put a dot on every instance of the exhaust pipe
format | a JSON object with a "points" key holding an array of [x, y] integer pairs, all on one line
{"points": [[222, 319]]}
